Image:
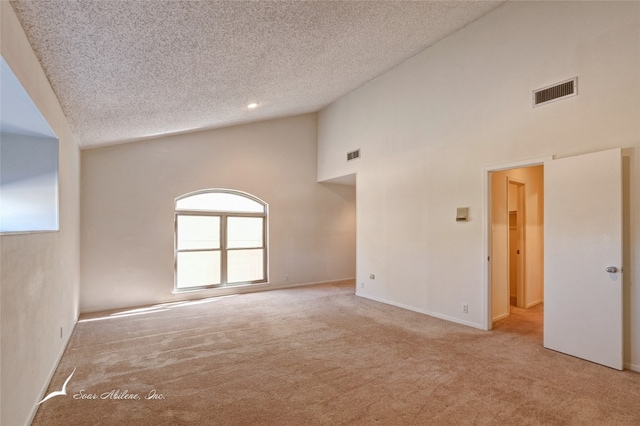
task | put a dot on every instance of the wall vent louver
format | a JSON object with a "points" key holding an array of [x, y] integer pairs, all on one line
{"points": [[353, 155], [556, 92]]}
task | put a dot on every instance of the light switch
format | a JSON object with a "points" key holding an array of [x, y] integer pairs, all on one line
{"points": [[462, 214]]}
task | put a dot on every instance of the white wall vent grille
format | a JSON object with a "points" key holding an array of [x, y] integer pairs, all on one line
{"points": [[353, 155], [556, 92]]}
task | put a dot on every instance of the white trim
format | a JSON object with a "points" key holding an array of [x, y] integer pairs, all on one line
{"points": [[486, 217], [516, 164], [534, 303], [221, 190], [224, 216], [500, 317], [214, 292], [422, 311], [45, 385], [9, 233], [232, 289], [285, 286], [632, 367]]}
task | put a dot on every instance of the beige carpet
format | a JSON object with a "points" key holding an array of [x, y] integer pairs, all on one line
{"points": [[321, 356]]}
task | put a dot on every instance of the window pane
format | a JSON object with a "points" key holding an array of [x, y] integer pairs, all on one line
{"points": [[198, 268], [245, 265], [198, 232], [220, 201], [244, 232]]}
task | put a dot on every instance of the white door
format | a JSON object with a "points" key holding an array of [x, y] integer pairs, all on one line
{"points": [[582, 247]]}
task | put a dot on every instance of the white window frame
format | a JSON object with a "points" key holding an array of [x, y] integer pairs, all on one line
{"points": [[223, 215]]}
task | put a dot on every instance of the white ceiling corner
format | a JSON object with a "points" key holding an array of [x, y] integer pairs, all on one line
{"points": [[126, 70]]}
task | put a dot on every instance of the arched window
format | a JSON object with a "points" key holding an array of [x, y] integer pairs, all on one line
{"points": [[220, 239]]}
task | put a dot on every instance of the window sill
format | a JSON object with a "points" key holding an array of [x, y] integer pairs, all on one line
{"points": [[44, 231]]}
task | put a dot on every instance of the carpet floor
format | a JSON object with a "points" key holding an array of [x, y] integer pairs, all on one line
{"points": [[320, 355]]}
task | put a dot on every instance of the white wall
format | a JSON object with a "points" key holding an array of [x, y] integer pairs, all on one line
{"points": [[39, 272], [128, 194], [428, 127]]}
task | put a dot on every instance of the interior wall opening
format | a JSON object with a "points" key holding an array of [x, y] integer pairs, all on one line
{"points": [[516, 243]]}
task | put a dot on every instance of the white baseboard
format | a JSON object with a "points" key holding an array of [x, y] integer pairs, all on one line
{"points": [[278, 287], [632, 367], [537, 302], [184, 296], [499, 317], [45, 385], [627, 366], [422, 311]]}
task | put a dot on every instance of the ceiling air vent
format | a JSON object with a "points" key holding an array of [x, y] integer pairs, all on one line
{"points": [[556, 92], [353, 155]]}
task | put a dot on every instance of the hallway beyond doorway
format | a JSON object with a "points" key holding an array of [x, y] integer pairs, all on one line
{"points": [[527, 323]]}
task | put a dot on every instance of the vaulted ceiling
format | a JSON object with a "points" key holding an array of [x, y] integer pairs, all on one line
{"points": [[133, 69]]}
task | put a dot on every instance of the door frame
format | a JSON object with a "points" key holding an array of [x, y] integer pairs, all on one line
{"points": [[487, 322]]}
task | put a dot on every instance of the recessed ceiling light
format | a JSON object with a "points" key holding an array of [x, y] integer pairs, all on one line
{"points": [[252, 105]]}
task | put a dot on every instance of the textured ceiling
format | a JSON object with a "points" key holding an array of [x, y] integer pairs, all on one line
{"points": [[126, 70]]}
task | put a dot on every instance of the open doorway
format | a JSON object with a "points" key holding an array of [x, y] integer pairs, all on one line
{"points": [[580, 252], [516, 266]]}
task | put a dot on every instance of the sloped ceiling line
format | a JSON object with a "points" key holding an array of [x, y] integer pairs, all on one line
{"points": [[126, 70]]}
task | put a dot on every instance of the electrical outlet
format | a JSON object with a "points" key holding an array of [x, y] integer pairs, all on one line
{"points": [[465, 308], [286, 277], [362, 284], [372, 276]]}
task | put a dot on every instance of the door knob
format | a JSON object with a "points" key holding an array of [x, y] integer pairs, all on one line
{"points": [[612, 269]]}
